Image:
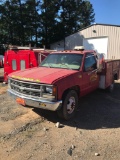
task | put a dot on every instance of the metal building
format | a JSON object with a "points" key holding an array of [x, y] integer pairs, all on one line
{"points": [[103, 38]]}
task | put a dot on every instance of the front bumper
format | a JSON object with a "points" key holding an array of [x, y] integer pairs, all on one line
{"points": [[48, 105]]}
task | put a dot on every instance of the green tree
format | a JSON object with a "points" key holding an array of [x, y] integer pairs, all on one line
{"points": [[5, 23], [48, 17], [11, 22], [42, 21], [75, 15], [87, 14], [67, 17], [32, 21], [19, 21]]}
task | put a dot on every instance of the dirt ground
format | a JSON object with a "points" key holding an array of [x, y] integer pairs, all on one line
{"points": [[30, 134]]}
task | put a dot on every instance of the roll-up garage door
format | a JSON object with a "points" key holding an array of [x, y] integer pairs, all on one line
{"points": [[99, 44]]}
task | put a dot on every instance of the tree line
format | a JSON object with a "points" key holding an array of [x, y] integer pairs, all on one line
{"points": [[42, 22]]}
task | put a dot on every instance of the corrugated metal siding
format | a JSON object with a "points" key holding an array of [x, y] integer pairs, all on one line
{"points": [[112, 32]]}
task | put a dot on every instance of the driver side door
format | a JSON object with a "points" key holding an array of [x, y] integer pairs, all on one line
{"points": [[90, 77]]}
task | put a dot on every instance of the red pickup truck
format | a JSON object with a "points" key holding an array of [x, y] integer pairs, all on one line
{"points": [[61, 79]]}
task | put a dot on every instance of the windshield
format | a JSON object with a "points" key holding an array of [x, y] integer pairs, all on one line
{"points": [[67, 61]]}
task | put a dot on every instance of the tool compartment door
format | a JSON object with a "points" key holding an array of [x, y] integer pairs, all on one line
{"points": [[11, 62], [23, 61], [109, 74]]}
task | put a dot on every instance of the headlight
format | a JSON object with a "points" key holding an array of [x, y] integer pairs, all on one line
{"points": [[49, 89], [49, 92]]}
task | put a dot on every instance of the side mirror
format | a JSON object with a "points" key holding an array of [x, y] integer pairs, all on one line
{"points": [[100, 62]]}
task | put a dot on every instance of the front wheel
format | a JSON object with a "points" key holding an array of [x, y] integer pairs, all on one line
{"points": [[69, 106]]}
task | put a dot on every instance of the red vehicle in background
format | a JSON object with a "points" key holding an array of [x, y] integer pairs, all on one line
{"points": [[20, 58]]}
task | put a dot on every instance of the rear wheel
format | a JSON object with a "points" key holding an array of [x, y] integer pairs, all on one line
{"points": [[69, 106]]}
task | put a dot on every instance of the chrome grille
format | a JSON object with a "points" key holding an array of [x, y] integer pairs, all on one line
{"points": [[30, 89]]}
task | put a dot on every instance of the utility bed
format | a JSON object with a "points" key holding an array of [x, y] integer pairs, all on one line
{"points": [[110, 72]]}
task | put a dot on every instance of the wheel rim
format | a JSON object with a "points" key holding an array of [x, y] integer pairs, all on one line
{"points": [[71, 105]]}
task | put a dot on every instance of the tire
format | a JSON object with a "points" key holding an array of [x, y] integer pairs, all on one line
{"points": [[69, 106]]}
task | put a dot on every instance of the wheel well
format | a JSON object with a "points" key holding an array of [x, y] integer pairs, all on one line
{"points": [[76, 88]]}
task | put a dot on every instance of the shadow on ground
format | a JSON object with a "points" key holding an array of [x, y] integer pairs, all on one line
{"points": [[96, 110]]}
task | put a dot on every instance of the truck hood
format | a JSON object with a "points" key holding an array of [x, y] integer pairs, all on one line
{"points": [[42, 74]]}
